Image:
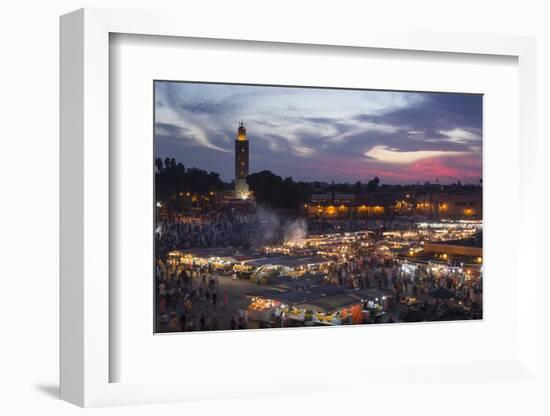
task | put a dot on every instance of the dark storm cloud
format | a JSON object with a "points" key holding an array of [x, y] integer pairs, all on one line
{"points": [[422, 126], [437, 111], [303, 132]]}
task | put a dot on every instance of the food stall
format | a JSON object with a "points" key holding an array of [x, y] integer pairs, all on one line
{"points": [[267, 304], [261, 309], [375, 302], [335, 310], [221, 260], [294, 267], [177, 257]]}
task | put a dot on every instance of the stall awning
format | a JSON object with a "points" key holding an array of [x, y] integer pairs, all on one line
{"points": [[331, 304], [288, 297], [307, 280], [287, 261], [371, 294]]}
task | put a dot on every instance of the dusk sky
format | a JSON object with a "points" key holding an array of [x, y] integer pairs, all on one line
{"points": [[325, 135]]}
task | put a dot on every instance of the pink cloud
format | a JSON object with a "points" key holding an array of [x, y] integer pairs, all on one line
{"points": [[465, 168]]}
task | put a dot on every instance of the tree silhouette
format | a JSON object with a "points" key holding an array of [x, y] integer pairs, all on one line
{"points": [[372, 185], [172, 178], [274, 191]]}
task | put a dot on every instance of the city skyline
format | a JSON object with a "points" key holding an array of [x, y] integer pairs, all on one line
{"points": [[314, 134]]}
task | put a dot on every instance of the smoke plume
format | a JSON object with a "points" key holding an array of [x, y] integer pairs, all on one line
{"points": [[295, 232]]}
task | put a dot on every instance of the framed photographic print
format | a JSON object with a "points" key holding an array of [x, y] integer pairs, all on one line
{"points": [[377, 217], [273, 206]]}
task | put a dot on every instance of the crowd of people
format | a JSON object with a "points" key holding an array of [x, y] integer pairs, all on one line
{"points": [[325, 225], [221, 228], [383, 272], [233, 227], [189, 297]]}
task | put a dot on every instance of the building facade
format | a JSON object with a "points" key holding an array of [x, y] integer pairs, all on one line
{"points": [[466, 204], [450, 204], [340, 205]]}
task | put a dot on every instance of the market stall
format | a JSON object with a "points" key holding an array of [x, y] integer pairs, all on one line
{"points": [[219, 259], [294, 267], [335, 310], [268, 304]]}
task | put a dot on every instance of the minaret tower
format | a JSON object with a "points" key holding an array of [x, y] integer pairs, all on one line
{"points": [[241, 163]]}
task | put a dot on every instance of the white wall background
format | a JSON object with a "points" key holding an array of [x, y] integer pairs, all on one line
{"points": [[29, 57]]}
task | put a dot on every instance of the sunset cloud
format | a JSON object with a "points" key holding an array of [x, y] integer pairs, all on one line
{"points": [[458, 135], [392, 156], [322, 134]]}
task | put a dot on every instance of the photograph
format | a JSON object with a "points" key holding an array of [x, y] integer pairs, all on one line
{"points": [[282, 206]]}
